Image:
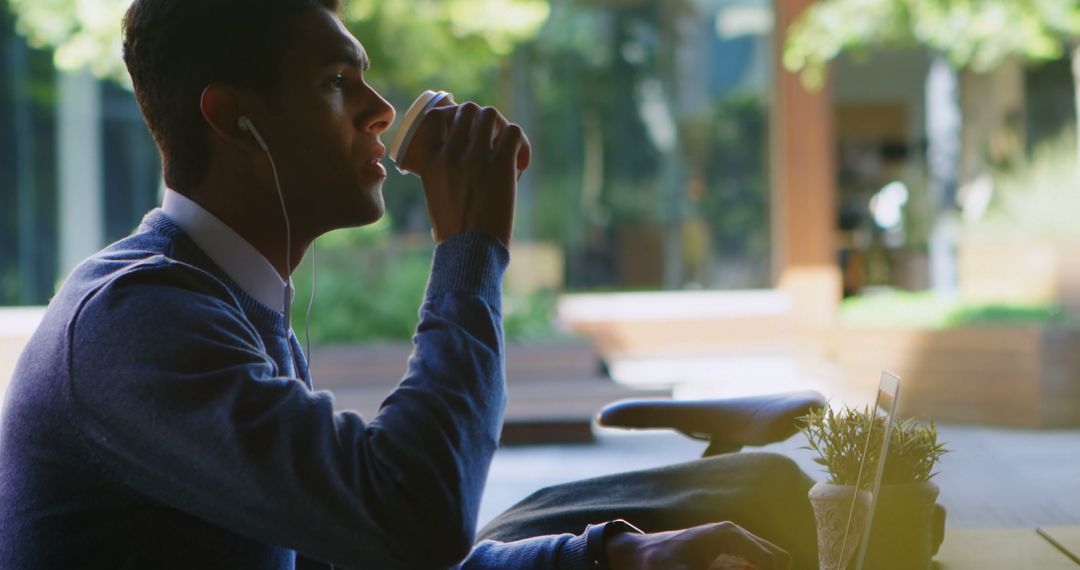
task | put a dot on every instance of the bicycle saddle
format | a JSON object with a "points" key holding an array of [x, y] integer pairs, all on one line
{"points": [[727, 424]]}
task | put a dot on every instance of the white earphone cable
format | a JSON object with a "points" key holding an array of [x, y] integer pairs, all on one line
{"points": [[284, 214], [311, 303], [288, 256], [246, 125]]}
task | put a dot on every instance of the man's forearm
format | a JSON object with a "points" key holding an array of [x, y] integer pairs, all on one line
{"points": [[442, 423]]}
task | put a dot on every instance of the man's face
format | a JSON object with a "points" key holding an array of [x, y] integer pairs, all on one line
{"points": [[325, 129]]}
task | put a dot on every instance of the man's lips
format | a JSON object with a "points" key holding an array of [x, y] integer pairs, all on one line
{"points": [[375, 160], [377, 154]]}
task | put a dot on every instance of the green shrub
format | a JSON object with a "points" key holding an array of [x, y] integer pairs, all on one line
{"points": [[370, 286], [929, 310], [529, 317]]}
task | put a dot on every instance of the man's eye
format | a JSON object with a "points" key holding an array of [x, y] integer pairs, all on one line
{"points": [[336, 82]]}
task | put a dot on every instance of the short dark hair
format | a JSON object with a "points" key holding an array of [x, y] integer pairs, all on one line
{"points": [[175, 48]]}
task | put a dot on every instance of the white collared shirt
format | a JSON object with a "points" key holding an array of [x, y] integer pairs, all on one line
{"points": [[231, 252]]}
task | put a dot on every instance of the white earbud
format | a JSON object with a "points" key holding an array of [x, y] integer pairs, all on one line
{"points": [[245, 124]]}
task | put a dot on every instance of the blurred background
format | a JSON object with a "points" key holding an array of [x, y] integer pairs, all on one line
{"points": [[728, 197]]}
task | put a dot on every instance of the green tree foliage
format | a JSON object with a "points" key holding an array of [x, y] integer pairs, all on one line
{"points": [[974, 34], [453, 45], [85, 34], [414, 45]]}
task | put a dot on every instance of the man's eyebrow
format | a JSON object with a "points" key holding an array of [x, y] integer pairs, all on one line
{"points": [[353, 57]]}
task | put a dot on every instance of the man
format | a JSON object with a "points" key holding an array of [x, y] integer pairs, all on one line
{"points": [[162, 416]]}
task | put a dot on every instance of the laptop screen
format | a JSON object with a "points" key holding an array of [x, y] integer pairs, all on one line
{"points": [[884, 409]]}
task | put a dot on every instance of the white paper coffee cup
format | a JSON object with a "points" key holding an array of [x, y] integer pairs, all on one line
{"points": [[410, 123]]}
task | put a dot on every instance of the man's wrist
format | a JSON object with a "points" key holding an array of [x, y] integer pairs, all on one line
{"points": [[469, 262], [609, 543]]}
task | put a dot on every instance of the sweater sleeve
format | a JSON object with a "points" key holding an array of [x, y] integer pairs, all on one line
{"points": [[175, 397], [551, 552]]}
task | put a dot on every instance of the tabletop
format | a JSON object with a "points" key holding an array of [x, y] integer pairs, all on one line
{"points": [[1049, 548]]}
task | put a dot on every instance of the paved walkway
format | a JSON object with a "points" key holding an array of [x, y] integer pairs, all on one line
{"points": [[993, 478]]}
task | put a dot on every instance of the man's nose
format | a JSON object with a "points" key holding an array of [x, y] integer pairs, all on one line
{"points": [[382, 117]]}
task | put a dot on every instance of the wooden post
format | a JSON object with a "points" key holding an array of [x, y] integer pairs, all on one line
{"points": [[804, 207]]}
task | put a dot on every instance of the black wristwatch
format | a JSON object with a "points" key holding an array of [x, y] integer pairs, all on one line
{"points": [[596, 538]]}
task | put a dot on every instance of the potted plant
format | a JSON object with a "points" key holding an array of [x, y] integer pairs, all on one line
{"points": [[902, 532]]}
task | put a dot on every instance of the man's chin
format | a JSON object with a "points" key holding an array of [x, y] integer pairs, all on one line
{"points": [[371, 219], [367, 212], [361, 207], [374, 207]]}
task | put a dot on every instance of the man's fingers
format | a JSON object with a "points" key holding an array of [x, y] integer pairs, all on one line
{"points": [[524, 156], [470, 184], [733, 539], [783, 559], [484, 129], [458, 140], [439, 118], [508, 143]]}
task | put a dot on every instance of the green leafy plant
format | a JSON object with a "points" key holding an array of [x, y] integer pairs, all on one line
{"points": [[840, 439], [929, 310], [371, 284]]}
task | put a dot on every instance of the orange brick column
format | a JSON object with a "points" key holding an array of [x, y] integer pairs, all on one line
{"points": [[804, 187]]}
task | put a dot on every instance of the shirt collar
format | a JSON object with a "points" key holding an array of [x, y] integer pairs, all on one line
{"points": [[231, 252]]}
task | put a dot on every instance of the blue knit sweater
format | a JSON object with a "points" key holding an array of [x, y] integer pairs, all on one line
{"points": [[156, 420]]}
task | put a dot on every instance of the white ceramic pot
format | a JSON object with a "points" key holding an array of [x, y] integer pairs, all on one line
{"points": [[832, 506]]}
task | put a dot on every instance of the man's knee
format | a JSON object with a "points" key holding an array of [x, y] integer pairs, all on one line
{"points": [[760, 470], [783, 471]]}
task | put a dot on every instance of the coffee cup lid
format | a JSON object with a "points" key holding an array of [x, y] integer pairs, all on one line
{"points": [[399, 145]]}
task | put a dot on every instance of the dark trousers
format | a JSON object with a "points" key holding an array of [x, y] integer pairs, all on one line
{"points": [[764, 493]]}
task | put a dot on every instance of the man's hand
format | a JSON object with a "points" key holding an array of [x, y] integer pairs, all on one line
{"points": [[474, 158], [720, 546]]}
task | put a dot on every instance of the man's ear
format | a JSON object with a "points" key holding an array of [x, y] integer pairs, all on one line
{"points": [[220, 106]]}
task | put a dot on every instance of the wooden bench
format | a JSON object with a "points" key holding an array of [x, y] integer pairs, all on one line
{"points": [[555, 388]]}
